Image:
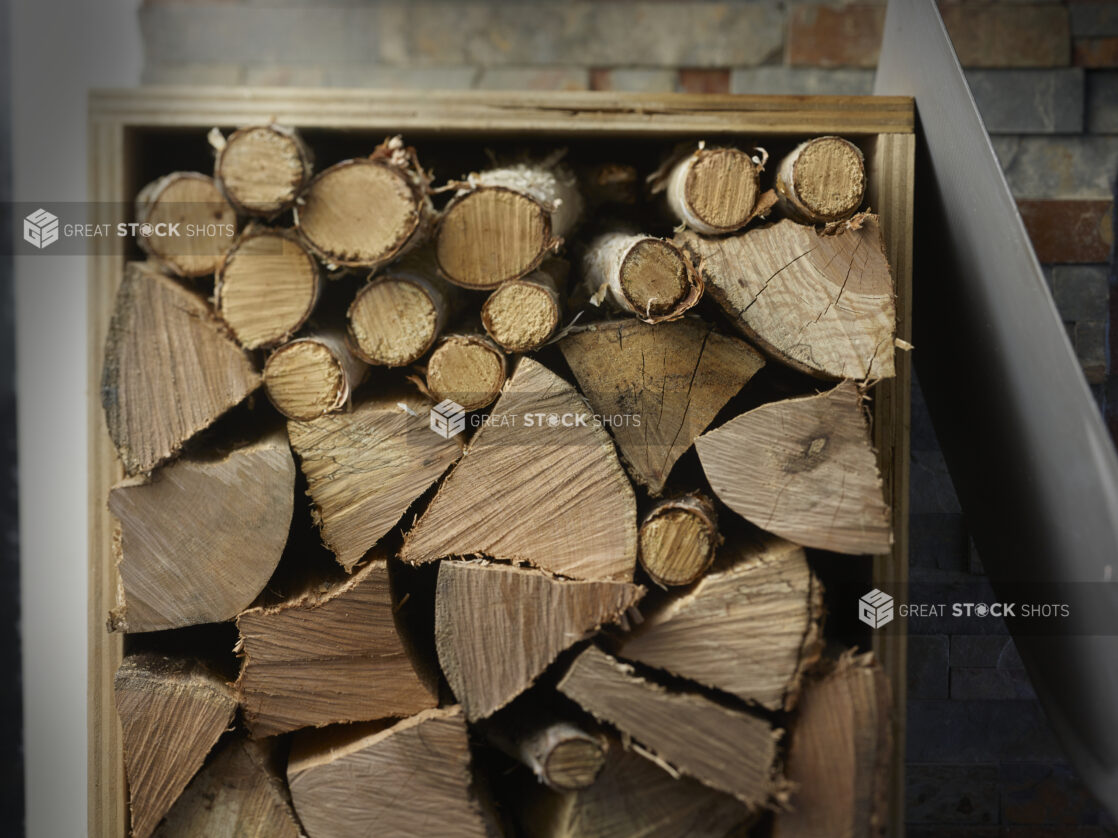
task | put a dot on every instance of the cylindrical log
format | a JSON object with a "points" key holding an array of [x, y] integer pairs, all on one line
{"points": [[562, 755], [715, 190], [468, 369], [312, 376], [364, 213], [261, 169], [523, 313], [504, 223], [643, 275], [822, 180], [185, 223], [266, 287], [678, 538]]}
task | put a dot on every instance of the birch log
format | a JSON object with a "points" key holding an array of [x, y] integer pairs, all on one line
{"points": [[522, 314], [313, 375], [717, 190], [562, 755], [261, 169], [821, 181], [678, 538], [467, 368], [185, 223], [642, 275]]}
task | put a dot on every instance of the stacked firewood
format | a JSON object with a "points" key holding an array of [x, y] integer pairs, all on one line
{"points": [[514, 544]]}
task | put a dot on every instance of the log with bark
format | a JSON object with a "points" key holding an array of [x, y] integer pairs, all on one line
{"points": [[312, 375], [642, 275], [523, 314], [821, 181], [562, 755], [261, 169], [185, 223], [714, 191], [468, 369], [678, 538]]}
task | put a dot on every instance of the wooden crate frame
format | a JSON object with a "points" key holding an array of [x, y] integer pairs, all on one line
{"points": [[885, 122]]}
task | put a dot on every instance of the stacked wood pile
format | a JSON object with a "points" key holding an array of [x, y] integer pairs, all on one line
{"points": [[482, 509]]}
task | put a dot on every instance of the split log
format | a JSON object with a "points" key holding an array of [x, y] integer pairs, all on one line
{"points": [[670, 380], [412, 780], [839, 756], [821, 180], [750, 627], [365, 467], [266, 287], [467, 368], [261, 169], [171, 713], [238, 794], [728, 750], [170, 369], [199, 542], [821, 303], [312, 376], [562, 755], [717, 190], [645, 276], [498, 627], [678, 538], [503, 223], [366, 212], [332, 657], [522, 314], [397, 316], [635, 797], [804, 469], [575, 510], [185, 223]]}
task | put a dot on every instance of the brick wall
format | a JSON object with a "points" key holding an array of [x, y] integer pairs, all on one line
{"points": [[982, 762]]}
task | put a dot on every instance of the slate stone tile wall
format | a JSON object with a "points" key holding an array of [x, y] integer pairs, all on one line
{"points": [[1044, 73]]}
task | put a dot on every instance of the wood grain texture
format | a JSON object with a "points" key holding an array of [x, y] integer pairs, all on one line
{"points": [[412, 780], [261, 169], [751, 626], [170, 368], [678, 538], [561, 754], [822, 303], [171, 711], [498, 627], [364, 468], [312, 375], [200, 540], [641, 275], [728, 750], [674, 378], [329, 657], [803, 469], [576, 510], [522, 314], [715, 190], [174, 203], [467, 368], [821, 180]]}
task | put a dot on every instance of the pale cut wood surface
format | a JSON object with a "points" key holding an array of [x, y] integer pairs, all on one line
{"points": [[678, 538], [821, 180], [675, 377], [412, 780], [823, 303], [576, 510], [498, 627], [365, 467], [172, 711], [237, 794], [728, 750], [839, 755], [312, 375], [803, 469], [329, 657], [177, 201], [523, 313], [199, 542], [714, 190], [170, 368], [751, 626], [261, 169], [467, 368]]}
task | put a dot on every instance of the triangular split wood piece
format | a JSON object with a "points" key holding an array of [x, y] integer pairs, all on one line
{"points": [[498, 627], [751, 626], [335, 657], [365, 468], [237, 793], [411, 780], [171, 713], [551, 495], [200, 541], [839, 754], [728, 750], [171, 368], [672, 377], [821, 302], [804, 469]]}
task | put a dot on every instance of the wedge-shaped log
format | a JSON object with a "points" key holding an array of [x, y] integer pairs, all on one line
{"points": [[199, 542], [532, 491], [171, 369], [365, 468], [728, 750], [333, 657], [751, 626], [171, 711], [661, 384], [498, 627], [820, 302], [412, 780], [803, 469]]}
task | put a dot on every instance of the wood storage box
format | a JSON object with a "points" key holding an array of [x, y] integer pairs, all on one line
{"points": [[137, 135]]}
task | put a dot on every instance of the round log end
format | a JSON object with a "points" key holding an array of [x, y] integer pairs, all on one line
{"points": [[467, 369], [393, 322], [829, 178], [179, 201], [574, 763], [262, 169], [305, 380], [677, 543], [656, 277], [722, 188], [520, 316]]}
